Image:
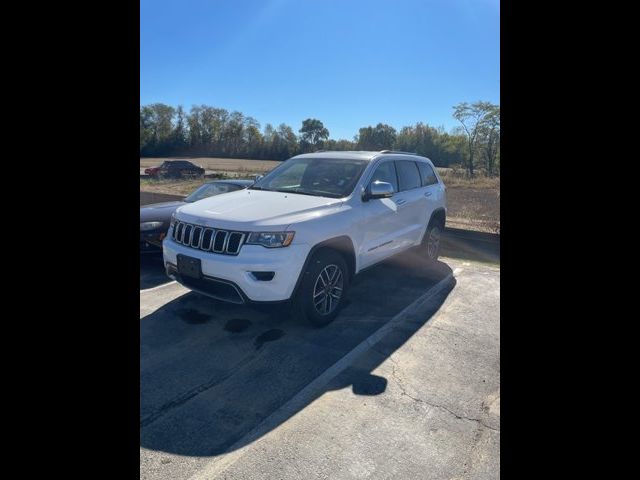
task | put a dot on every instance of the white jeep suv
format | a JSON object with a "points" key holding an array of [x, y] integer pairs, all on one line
{"points": [[303, 231]]}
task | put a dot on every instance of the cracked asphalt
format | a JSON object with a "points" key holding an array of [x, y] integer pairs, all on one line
{"points": [[232, 392]]}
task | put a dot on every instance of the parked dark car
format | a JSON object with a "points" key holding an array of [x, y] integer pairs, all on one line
{"points": [[155, 218], [175, 169]]}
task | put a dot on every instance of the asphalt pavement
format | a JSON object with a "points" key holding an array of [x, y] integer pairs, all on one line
{"points": [[403, 384]]}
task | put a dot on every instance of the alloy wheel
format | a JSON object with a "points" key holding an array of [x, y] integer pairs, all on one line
{"points": [[327, 290], [433, 242]]}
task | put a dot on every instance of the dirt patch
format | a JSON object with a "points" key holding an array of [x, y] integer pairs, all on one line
{"points": [[473, 208]]}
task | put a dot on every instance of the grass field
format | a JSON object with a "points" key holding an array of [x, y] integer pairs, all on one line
{"points": [[473, 203]]}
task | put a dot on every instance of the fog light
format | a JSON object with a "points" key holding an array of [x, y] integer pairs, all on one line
{"points": [[263, 276]]}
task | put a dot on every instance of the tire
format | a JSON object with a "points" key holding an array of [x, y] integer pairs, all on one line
{"points": [[326, 270], [431, 241]]}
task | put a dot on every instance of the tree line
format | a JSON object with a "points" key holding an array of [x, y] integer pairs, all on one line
{"points": [[209, 131]]}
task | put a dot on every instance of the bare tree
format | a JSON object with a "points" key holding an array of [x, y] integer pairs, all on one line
{"points": [[490, 133], [472, 117]]}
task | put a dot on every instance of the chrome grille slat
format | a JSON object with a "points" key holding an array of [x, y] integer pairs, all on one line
{"points": [[196, 234], [178, 231], [216, 242], [208, 245], [184, 226], [193, 236], [234, 251], [188, 233]]}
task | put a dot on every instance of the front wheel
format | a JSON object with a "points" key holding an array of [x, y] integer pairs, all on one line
{"points": [[323, 288]]}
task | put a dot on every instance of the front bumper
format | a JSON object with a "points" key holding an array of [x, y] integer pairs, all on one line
{"points": [[235, 271]]}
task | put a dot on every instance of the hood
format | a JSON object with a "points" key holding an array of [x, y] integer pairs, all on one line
{"points": [[245, 209], [158, 212]]}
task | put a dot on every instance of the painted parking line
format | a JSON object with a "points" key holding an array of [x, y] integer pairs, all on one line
{"points": [[157, 287]]}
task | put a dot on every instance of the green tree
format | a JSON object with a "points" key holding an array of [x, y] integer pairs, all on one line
{"points": [[289, 141], [252, 138], [179, 134], [232, 134], [312, 134], [380, 137], [146, 127], [206, 130], [156, 125], [340, 145]]}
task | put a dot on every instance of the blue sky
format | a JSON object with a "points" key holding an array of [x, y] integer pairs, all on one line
{"points": [[349, 63]]}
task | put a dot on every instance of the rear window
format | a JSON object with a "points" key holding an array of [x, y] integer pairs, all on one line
{"points": [[177, 163], [408, 175], [427, 174]]}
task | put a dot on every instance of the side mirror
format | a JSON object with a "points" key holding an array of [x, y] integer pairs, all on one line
{"points": [[378, 189]]}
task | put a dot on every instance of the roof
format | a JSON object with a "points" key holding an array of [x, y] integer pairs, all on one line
{"points": [[352, 155]]}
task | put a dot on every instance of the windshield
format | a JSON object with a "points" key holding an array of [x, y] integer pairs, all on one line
{"points": [[322, 177], [209, 190]]}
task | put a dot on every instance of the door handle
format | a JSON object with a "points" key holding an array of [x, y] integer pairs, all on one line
{"points": [[400, 201], [428, 194]]}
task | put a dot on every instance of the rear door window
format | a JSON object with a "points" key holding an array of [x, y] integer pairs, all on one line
{"points": [[408, 175], [427, 174]]}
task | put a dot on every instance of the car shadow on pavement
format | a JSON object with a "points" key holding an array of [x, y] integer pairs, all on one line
{"points": [[212, 372], [468, 249], [152, 273]]}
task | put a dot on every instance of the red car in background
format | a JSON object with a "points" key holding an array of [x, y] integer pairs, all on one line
{"points": [[175, 169]]}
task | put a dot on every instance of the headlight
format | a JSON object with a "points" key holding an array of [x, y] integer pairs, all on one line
{"points": [[146, 226], [271, 239], [173, 219]]}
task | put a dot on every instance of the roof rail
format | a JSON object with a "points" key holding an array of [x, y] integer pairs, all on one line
{"points": [[397, 151]]}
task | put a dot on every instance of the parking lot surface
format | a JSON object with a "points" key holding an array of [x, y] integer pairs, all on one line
{"points": [[229, 391]]}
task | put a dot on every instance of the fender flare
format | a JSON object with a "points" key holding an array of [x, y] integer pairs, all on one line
{"points": [[438, 212], [342, 244]]}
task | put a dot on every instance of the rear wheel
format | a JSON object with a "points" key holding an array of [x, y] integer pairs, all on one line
{"points": [[323, 288], [431, 242]]}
